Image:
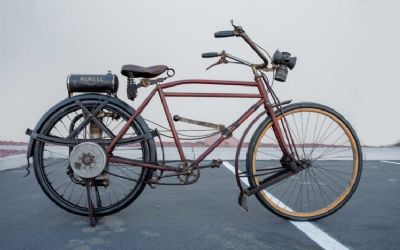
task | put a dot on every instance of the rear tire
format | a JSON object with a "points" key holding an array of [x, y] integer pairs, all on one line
{"points": [[324, 138], [51, 163]]}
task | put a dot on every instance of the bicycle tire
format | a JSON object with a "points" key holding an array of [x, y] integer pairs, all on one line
{"points": [[43, 159], [315, 150]]}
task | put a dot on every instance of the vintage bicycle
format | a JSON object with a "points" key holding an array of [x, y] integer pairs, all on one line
{"points": [[93, 154]]}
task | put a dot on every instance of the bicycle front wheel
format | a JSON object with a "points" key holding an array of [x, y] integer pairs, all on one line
{"points": [[322, 138]]}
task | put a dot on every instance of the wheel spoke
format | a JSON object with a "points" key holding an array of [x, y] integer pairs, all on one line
{"points": [[67, 188], [326, 145]]}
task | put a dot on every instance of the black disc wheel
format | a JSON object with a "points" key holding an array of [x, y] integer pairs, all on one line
{"points": [[328, 151], [117, 185]]}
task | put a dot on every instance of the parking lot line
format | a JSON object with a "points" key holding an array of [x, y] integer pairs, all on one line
{"points": [[312, 231], [392, 162]]}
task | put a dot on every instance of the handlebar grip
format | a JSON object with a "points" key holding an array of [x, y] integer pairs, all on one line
{"points": [[225, 33], [209, 54]]}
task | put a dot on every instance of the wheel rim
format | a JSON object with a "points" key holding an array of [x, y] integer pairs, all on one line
{"points": [[334, 164], [53, 164]]}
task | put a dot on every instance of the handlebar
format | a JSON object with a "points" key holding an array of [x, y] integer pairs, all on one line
{"points": [[238, 31], [254, 46], [225, 33], [210, 54]]}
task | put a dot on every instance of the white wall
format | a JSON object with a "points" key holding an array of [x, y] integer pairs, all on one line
{"points": [[347, 53]]}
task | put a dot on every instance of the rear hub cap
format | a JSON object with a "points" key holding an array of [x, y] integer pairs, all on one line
{"points": [[88, 159]]}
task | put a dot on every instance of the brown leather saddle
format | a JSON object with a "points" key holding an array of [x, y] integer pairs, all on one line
{"points": [[131, 70]]}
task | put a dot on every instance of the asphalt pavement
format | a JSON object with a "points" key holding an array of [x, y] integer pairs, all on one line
{"points": [[201, 216]]}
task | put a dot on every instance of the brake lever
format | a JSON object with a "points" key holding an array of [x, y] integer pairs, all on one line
{"points": [[238, 29], [222, 59], [234, 26]]}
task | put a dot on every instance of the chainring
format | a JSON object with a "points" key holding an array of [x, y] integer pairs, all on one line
{"points": [[188, 173]]}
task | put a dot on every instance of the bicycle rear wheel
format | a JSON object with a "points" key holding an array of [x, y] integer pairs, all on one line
{"points": [[118, 185], [324, 139]]}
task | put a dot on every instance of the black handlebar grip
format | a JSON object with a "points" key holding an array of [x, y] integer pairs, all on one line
{"points": [[209, 54], [225, 33]]}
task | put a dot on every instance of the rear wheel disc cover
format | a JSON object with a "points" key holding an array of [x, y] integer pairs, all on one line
{"points": [[88, 159]]}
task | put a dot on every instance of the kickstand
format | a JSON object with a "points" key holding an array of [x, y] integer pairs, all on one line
{"points": [[92, 212], [98, 199]]}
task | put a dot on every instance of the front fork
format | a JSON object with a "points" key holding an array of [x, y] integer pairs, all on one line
{"points": [[271, 113], [289, 152], [288, 161]]}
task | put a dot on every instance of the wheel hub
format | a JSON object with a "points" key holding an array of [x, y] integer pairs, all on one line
{"points": [[88, 159]]}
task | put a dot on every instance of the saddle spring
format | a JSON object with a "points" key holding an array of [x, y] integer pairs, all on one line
{"points": [[131, 88]]}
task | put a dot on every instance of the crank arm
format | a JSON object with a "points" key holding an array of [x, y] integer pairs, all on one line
{"points": [[269, 181]]}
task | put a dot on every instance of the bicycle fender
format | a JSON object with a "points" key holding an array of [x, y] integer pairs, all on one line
{"points": [[241, 198], [62, 104], [266, 120], [285, 109]]}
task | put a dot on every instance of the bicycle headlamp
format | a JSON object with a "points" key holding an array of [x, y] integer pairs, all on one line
{"points": [[285, 61]]}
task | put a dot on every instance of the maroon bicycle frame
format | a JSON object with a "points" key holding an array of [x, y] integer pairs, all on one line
{"points": [[262, 100]]}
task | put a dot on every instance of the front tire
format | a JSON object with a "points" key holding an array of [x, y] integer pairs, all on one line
{"points": [[323, 138]]}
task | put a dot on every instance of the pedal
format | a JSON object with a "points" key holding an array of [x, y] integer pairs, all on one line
{"points": [[242, 200], [213, 164], [153, 181], [216, 163]]}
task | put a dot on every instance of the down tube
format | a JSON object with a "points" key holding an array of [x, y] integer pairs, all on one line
{"points": [[231, 129]]}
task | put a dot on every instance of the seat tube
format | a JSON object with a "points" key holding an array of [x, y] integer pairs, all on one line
{"points": [[171, 123]]}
